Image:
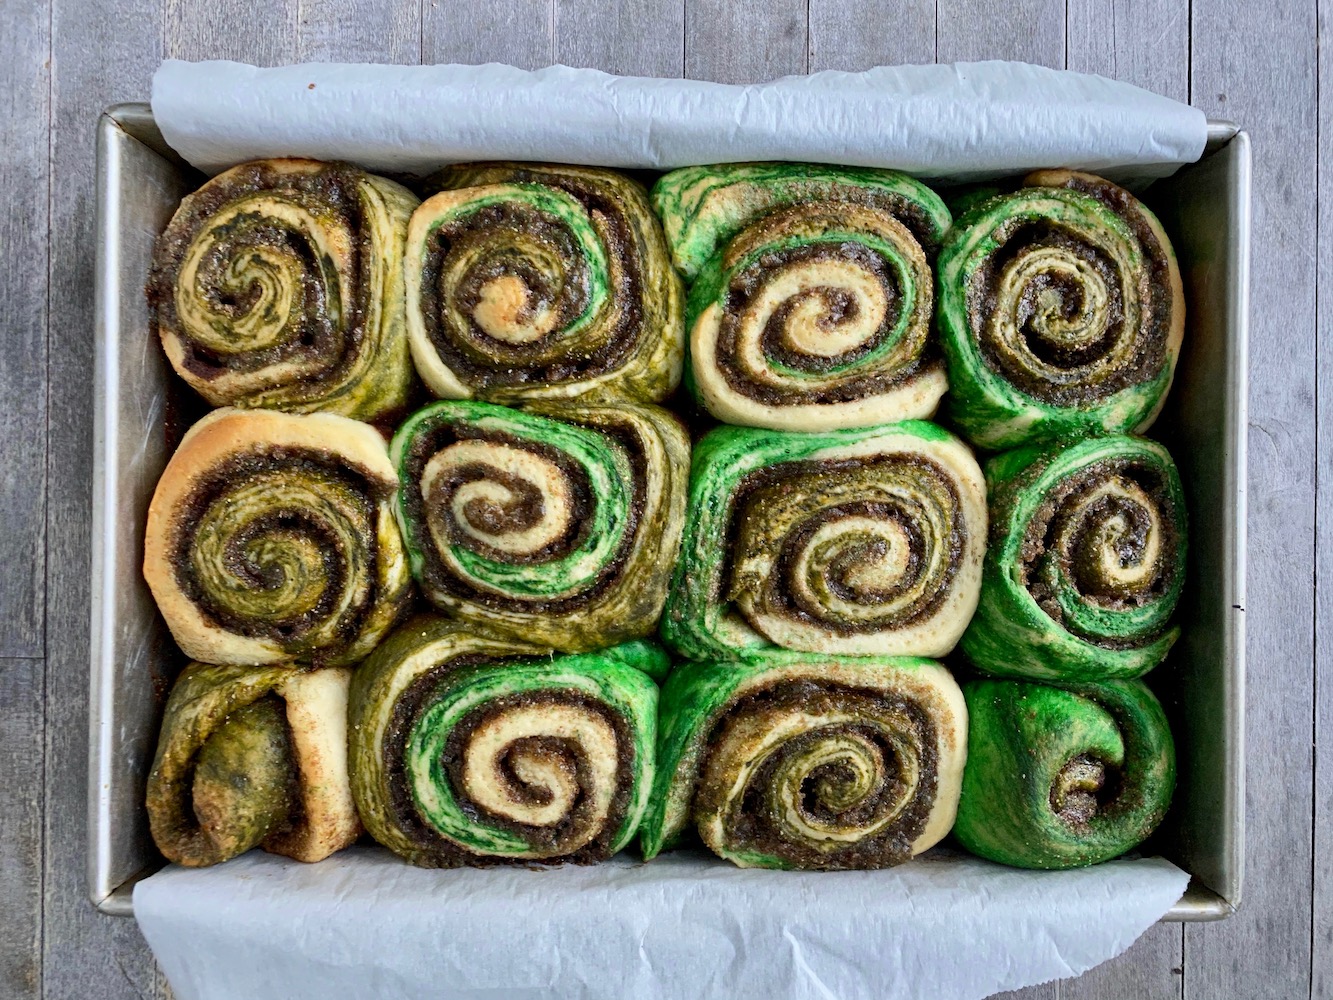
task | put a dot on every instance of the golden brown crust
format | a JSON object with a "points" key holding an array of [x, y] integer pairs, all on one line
{"points": [[317, 720], [227, 435]]}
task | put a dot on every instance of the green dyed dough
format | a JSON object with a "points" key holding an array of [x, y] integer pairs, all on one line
{"points": [[812, 293], [1061, 778], [1060, 309], [244, 778], [702, 208], [556, 523], [541, 281], [211, 740], [279, 285], [780, 759], [855, 542], [468, 748], [1085, 564]]}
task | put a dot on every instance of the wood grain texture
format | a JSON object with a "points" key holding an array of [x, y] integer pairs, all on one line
{"points": [[103, 53], [1151, 969], [632, 38], [1143, 43], [852, 35], [1030, 30], [520, 32], [1264, 951], [744, 41], [21, 727], [212, 29], [1321, 934], [386, 31], [25, 83], [1046, 991]]}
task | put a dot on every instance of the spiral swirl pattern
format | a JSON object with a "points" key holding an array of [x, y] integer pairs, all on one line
{"points": [[797, 761], [271, 538], [279, 284], [1086, 562], [1063, 778], [472, 749], [252, 757], [854, 542], [558, 524], [1061, 312], [816, 316], [812, 292], [528, 282]]}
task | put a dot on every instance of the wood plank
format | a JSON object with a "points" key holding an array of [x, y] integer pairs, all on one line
{"points": [[213, 29], [1265, 950], [745, 41], [1321, 935], [519, 32], [845, 35], [1146, 44], [103, 53], [1151, 969], [385, 31], [21, 729], [1045, 991], [1030, 30], [25, 80], [25, 83], [632, 38]]}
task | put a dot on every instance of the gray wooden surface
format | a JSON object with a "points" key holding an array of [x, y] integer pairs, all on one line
{"points": [[1258, 63]]}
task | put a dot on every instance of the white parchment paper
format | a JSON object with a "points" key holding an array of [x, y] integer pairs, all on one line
{"points": [[364, 924], [965, 121], [943, 927]]}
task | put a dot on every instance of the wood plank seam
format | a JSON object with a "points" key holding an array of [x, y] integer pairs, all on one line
{"points": [[1316, 774], [40, 943]]}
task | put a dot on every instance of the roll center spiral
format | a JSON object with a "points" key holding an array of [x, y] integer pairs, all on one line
{"points": [[533, 764], [1110, 540], [261, 277], [508, 310], [1078, 789], [278, 550], [851, 549], [514, 503], [818, 774], [1058, 308], [817, 311]]}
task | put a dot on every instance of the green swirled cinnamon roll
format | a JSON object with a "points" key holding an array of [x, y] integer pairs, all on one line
{"points": [[558, 523], [1086, 561], [253, 757], [793, 760], [530, 282], [1061, 312], [472, 749], [271, 538], [279, 284], [1061, 778], [857, 542], [812, 294]]}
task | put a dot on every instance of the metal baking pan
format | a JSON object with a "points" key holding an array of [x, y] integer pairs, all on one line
{"points": [[140, 407]]}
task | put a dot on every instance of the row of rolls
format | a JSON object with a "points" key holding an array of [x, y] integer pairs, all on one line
{"points": [[538, 620], [812, 298]]}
